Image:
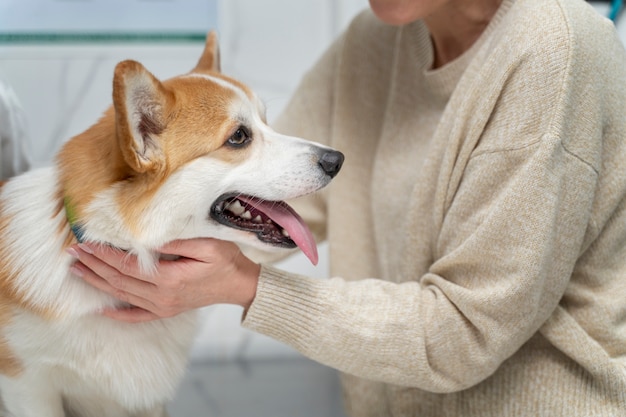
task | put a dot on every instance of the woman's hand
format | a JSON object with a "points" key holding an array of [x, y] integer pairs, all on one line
{"points": [[209, 271]]}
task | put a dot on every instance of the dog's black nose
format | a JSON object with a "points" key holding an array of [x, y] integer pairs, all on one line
{"points": [[331, 162]]}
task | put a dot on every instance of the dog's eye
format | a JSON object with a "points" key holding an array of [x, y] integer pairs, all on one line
{"points": [[240, 138]]}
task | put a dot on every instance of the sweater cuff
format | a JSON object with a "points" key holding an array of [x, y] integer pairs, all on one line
{"points": [[287, 307]]}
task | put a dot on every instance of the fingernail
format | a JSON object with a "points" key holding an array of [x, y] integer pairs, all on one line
{"points": [[76, 271], [85, 248], [72, 252]]}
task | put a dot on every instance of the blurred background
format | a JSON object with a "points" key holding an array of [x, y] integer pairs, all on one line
{"points": [[58, 57]]}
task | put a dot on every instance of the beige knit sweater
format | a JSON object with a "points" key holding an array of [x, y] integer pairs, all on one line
{"points": [[477, 231]]}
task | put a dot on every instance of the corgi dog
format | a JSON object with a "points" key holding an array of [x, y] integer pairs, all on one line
{"points": [[188, 157]]}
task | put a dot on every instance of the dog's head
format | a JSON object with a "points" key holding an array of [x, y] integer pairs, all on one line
{"points": [[190, 157]]}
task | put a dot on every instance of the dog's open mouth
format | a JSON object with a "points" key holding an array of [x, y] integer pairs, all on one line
{"points": [[274, 222]]}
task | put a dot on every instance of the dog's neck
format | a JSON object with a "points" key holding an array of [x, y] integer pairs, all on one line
{"points": [[146, 256]]}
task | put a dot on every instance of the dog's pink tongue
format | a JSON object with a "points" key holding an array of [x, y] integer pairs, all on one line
{"points": [[289, 220]]}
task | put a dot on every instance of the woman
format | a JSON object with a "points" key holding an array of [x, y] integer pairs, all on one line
{"points": [[478, 227]]}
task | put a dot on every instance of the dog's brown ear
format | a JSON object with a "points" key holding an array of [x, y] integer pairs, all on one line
{"points": [[140, 102], [210, 59]]}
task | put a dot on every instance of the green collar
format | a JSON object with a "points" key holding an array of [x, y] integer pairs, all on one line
{"points": [[70, 213]]}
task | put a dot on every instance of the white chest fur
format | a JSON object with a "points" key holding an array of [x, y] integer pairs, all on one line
{"points": [[135, 366], [76, 357]]}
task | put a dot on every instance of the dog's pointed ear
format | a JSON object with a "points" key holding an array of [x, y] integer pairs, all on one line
{"points": [[210, 59], [140, 101]]}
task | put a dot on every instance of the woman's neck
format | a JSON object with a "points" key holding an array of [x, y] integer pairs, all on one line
{"points": [[455, 27]]}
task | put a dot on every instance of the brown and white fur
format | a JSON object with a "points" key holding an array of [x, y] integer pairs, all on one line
{"points": [[148, 172]]}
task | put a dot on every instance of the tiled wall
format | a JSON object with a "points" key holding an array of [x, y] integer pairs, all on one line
{"points": [[265, 43]]}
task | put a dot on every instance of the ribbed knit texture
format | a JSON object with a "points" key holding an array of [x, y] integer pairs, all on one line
{"points": [[477, 230]]}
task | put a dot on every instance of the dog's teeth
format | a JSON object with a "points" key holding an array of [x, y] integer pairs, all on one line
{"points": [[236, 208], [268, 221], [246, 215], [285, 233], [258, 219]]}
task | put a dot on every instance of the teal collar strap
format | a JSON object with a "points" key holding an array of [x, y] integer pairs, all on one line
{"points": [[70, 213]]}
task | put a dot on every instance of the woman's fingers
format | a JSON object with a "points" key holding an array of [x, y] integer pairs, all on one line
{"points": [[123, 288], [107, 278], [106, 269], [165, 300], [101, 258]]}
